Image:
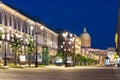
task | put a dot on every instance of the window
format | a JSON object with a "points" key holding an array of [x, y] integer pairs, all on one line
{"points": [[29, 29], [10, 21], [44, 32], [25, 28], [22, 28], [19, 26], [5, 20], [0, 18], [15, 26]]}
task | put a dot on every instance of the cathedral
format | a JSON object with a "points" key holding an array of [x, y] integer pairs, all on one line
{"points": [[85, 39]]}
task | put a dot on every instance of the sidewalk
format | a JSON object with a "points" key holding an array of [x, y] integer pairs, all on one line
{"points": [[63, 67]]}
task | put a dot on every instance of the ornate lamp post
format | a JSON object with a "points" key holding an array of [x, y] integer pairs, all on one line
{"points": [[37, 31], [74, 40], [5, 40]]}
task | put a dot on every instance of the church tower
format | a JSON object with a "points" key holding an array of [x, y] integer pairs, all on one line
{"points": [[85, 39]]}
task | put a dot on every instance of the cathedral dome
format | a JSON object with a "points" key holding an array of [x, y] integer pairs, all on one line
{"points": [[85, 34], [85, 39]]}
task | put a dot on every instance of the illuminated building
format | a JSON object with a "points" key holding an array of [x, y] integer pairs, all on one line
{"points": [[15, 22], [85, 39]]}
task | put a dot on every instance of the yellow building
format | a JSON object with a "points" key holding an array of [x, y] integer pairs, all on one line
{"points": [[77, 45]]}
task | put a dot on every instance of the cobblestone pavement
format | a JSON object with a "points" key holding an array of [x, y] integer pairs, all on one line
{"points": [[61, 73]]}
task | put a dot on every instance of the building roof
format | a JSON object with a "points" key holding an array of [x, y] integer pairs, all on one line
{"points": [[85, 34], [28, 15]]}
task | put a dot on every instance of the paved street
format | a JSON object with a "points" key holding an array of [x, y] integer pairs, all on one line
{"points": [[61, 73]]}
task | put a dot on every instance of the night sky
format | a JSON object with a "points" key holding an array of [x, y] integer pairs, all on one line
{"points": [[99, 16]]}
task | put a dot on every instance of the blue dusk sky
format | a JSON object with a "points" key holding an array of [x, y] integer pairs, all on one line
{"points": [[99, 16]]}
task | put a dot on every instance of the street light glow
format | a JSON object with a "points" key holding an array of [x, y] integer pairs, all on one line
{"points": [[41, 27], [63, 42], [31, 27]]}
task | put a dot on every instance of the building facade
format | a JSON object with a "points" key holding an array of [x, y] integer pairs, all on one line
{"points": [[77, 45], [96, 54], [13, 22], [70, 42], [85, 39]]}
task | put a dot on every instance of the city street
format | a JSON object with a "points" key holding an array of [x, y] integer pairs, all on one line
{"points": [[60, 73]]}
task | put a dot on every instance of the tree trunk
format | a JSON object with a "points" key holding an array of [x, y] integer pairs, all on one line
{"points": [[29, 60], [15, 61]]}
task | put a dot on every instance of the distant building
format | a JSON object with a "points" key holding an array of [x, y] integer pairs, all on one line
{"points": [[110, 54], [68, 41], [77, 45], [85, 39], [95, 54]]}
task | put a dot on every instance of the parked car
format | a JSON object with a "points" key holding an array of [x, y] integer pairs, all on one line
{"points": [[58, 61]]}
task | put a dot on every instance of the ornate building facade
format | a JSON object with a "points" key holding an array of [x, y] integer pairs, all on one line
{"points": [[14, 22], [85, 39]]}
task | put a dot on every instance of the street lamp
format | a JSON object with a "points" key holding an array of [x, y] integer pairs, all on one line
{"points": [[37, 31], [74, 42], [5, 40]]}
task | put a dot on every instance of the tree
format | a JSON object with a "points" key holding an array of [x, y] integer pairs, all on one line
{"points": [[16, 46], [30, 49], [59, 54]]}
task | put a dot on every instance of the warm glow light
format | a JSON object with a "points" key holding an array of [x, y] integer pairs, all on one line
{"points": [[63, 42], [71, 35], [26, 40], [64, 49], [31, 27], [10, 27], [50, 42], [56, 46], [32, 39], [61, 46], [66, 33], [19, 36], [77, 40], [69, 49], [1, 29], [41, 27], [69, 42]]}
